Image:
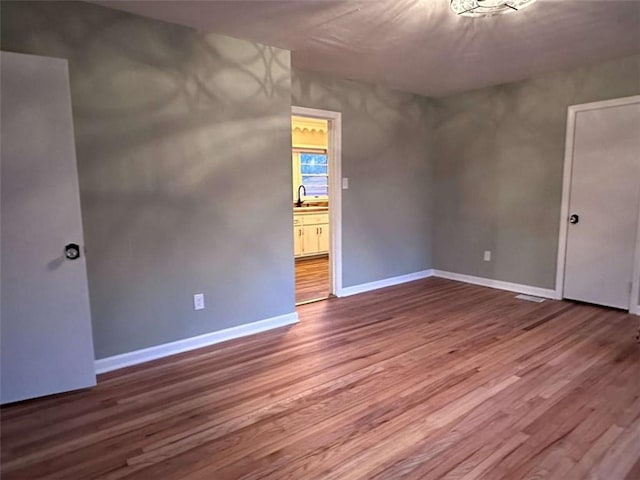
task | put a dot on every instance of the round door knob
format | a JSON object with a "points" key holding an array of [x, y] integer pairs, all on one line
{"points": [[72, 251], [573, 219]]}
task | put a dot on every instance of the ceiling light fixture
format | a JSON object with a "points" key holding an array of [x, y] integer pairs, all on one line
{"points": [[483, 8]]}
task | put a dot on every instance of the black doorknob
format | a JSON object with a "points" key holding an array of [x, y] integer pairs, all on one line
{"points": [[573, 219], [72, 251]]}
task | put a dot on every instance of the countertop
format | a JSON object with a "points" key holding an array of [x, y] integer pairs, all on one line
{"points": [[310, 209]]}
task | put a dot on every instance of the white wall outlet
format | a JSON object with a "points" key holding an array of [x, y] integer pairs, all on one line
{"points": [[198, 301], [345, 183], [487, 255]]}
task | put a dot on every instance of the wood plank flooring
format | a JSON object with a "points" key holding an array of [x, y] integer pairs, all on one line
{"points": [[428, 380], [312, 278]]}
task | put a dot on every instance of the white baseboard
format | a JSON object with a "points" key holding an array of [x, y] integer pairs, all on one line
{"points": [[387, 282], [159, 351], [500, 285], [485, 282]]}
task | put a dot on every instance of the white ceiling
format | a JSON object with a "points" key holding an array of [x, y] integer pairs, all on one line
{"points": [[417, 45]]}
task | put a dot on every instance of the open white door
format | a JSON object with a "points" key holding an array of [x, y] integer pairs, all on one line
{"points": [[603, 205], [46, 338]]}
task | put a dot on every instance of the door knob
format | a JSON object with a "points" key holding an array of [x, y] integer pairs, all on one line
{"points": [[72, 251], [573, 219]]}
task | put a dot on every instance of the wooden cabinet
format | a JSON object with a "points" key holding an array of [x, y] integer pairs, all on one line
{"points": [[310, 240], [323, 238], [311, 233], [316, 239], [298, 233]]}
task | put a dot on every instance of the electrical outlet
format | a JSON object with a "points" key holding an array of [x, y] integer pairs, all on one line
{"points": [[345, 183], [487, 255], [198, 301]]}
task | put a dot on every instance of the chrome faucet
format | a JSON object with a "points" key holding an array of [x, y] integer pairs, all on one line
{"points": [[299, 202]]}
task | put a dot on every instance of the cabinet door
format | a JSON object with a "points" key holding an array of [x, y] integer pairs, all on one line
{"points": [[298, 241], [310, 236], [323, 238]]}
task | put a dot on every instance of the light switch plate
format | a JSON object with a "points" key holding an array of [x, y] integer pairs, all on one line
{"points": [[345, 183]]}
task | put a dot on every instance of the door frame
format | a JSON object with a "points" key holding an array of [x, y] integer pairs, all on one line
{"points": [[573, 111], [335, 189]]}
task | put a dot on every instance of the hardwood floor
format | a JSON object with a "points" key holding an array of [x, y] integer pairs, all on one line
{"points": [[312, 278], [432, 379]]}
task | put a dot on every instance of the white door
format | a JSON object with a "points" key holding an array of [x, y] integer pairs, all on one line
{"points": [[46, 339], [603, 206]]}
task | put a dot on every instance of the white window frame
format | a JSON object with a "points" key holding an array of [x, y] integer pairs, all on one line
{"points": [[297, 173]]}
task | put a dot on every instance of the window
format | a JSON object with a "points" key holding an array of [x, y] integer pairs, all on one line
{"points": [[311, 170]]}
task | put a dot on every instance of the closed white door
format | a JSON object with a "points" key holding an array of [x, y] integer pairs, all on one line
{"points": [[46, 339], [603, 206]]}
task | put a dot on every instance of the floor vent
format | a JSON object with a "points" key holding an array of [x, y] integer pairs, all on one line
{"points": [[530, 298]]}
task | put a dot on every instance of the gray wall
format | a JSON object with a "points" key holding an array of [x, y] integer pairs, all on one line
{"points": [[177, 198], [183, 146], [386, 212], [499, 156]]}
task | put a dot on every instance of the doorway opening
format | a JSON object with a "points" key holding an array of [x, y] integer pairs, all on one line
{"points": [[316, 199]]}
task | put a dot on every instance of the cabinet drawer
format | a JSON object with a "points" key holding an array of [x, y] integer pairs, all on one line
{"points": [[297, 220], [316, 219]]}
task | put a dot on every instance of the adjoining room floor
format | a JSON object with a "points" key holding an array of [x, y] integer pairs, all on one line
{"points": [[312, 278], [431, 379]]}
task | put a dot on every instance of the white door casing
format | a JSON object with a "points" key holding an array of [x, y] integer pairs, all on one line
{"points": [[46, 337], [335, 189]]}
